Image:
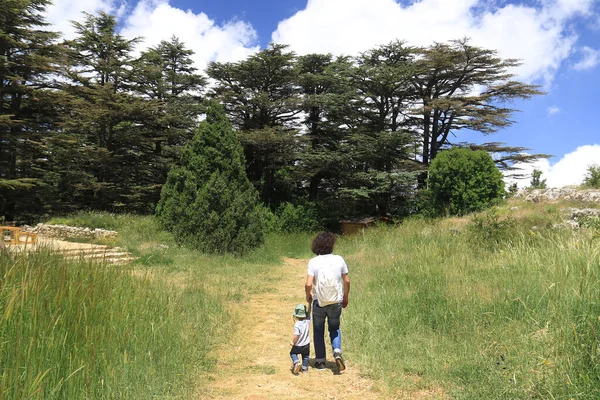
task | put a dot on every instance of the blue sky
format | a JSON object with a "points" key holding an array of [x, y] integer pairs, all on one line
{"points": [[558, 41]]}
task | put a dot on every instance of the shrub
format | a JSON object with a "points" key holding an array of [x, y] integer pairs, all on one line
{"points": [[489, 229], [208, 203], [536, 180], [462, 181], [592, 177], [297, 218]]}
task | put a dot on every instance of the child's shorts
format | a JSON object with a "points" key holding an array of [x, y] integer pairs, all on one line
{"points": [[303, 350]]}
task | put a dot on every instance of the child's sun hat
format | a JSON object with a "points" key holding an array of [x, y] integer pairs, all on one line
{"points": [[300, 311]]}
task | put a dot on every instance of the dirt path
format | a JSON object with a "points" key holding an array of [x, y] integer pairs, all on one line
{"points": [[256, 364]]}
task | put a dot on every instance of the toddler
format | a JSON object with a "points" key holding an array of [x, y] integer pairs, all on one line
{"points": [[301, 340]]}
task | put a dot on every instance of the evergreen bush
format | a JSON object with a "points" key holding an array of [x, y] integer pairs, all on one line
{"points": [[592, 177], [208, 203], [297, 218], [463, 181]]}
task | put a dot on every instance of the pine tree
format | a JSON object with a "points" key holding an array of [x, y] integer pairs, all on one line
{"points": [[208, 202], [261, 97], [109, 121], [325, 98], [382, 174], [28, 108], [460, 86], [165, 74]]}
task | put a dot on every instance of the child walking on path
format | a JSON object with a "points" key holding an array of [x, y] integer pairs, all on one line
{"points": [[301, 340]]}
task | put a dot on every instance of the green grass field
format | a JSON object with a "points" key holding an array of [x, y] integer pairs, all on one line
{"points": [[79, 330], [497, 306], [513, 313]]}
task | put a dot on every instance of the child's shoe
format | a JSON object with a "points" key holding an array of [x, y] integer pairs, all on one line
{"points": [[339, 360], [296, 368]]}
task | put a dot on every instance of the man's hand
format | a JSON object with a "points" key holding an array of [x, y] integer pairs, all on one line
{"points": [[346, 280], [345, 302], [309, 298]]}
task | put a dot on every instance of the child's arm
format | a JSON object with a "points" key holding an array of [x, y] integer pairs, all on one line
{"points": [[294, 340], [309, 312]]}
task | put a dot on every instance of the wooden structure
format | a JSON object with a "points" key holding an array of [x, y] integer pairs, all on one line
{"points": [[351, 227], [14, 236]]}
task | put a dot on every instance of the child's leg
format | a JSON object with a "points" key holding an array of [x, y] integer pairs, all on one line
{"points": [[305, 357], [295, 358], [305, 362]]}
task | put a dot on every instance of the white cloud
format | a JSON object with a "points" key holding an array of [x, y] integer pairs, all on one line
{"points": [[569, 170], [553, 110], [61, 12], [540, 36], [157, 20], [590, 59]]}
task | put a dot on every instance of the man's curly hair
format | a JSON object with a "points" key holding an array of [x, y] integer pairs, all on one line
{"points": [[323, 243]]}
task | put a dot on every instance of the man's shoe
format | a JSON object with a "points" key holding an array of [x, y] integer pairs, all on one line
{"points": [[339, 360], [321, 365], [296, 368]]}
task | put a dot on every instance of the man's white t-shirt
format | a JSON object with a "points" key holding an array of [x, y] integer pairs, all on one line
{"points": [[328, 261], [301, 329]]}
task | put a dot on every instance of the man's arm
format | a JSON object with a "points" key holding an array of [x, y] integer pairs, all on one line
{"points": [[308, 288], [346, 280]]}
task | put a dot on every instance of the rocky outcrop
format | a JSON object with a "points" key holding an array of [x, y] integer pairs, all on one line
{"points": [[65, 231], [537, 195]]}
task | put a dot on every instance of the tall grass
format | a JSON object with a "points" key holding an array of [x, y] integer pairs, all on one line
{"points": [[433, 306], [75, 330], [81, 330]]}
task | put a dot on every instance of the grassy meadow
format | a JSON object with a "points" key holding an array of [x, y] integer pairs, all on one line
{"points": [[499, 305], [82, 330]]}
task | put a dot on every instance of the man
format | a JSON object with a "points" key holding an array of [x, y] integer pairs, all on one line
{"points": [[327, 287]]}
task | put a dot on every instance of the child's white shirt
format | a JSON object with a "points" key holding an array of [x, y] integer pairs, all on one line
{"points": [[302, 329]]}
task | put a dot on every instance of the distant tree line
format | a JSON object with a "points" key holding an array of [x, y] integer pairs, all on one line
{"points": [[88, 124]]}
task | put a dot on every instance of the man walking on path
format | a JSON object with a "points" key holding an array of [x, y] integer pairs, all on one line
{"points": [[328, 287]]}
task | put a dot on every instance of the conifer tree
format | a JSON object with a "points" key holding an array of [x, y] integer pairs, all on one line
{"points": [[325, 98], [165, 74], [108, 121], [261, 96], [28, 109], [461, 86], [382, 173], [208, 203]]}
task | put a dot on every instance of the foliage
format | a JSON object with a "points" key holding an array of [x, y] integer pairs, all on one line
{"points": [[536, 181], [592, 177], [88, 125], [292, 218], [71, 330], [456, 69], [208, 202], [463, 181], [489, 229], [261, 98], [475, 321], [513, 189], [29, 109], [79, 328]]}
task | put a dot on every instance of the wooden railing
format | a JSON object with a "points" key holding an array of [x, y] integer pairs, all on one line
{"points": [[14, 236]]}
